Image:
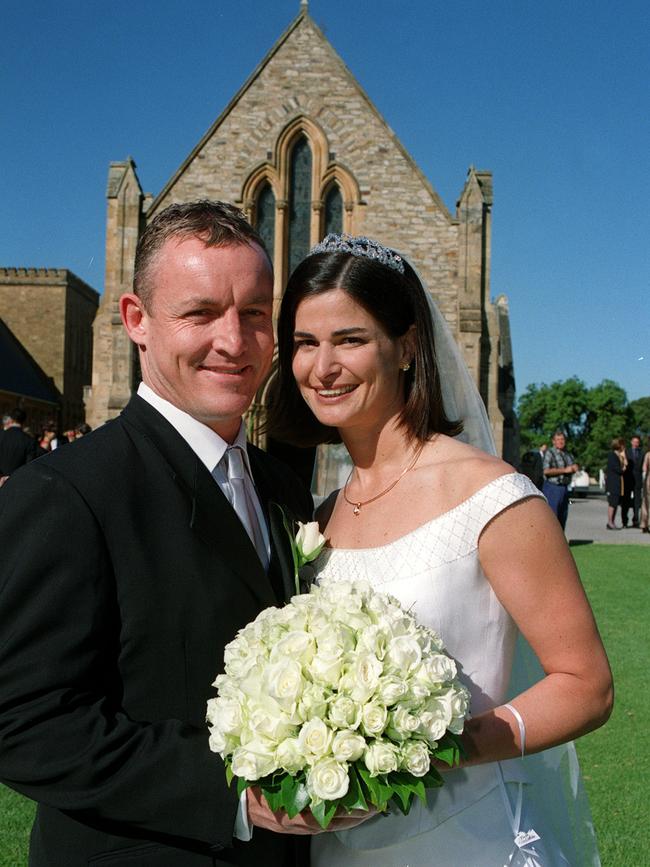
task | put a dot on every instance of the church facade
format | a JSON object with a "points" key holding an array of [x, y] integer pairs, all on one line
{"points": [[303, 151]]}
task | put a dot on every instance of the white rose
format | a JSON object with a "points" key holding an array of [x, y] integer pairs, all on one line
{"points": [[373, 718], [338, 637], [363, 676], [403, 723], [312, 703], [315, 738], [296, 645], [326, 667], [391, 688], [347, 746], [254, 761], [381, 757], [433, 725], [415, 758], [438, 668], [221, 743], [404, 653], [268, 720], [327, 780], [289, 756], [344, 713], [309, 539], [374, 640], [283, 681], [226, 714]]}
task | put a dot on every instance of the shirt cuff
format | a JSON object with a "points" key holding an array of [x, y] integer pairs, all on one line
{"points": [[242, 831]]}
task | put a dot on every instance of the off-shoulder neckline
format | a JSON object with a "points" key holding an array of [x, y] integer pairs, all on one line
{"points": [[327, 550]]}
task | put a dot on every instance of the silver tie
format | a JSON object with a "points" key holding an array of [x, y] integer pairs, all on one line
{"points": [[242, 502]]}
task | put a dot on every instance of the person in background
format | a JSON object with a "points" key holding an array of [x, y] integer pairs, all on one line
{"points": [[615, 481], [645, 490], [559, 466], [16, 447], [82, 430], [635, 456]]}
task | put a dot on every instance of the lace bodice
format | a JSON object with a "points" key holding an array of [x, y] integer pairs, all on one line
{"points": [[435, 572]]}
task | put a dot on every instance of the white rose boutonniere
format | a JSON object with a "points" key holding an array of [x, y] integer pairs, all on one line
{"points": [[306, 545]]}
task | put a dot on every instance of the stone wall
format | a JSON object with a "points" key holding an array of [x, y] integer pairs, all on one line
{"points": [[51, 311]]}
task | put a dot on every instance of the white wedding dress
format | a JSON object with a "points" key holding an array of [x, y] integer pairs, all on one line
{"points": [[472, 820]]}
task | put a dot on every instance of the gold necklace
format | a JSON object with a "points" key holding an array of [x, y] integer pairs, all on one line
{"points": [[356, 507]]}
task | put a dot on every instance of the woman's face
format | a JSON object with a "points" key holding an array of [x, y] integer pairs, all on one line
{"points": [[347, 368]]}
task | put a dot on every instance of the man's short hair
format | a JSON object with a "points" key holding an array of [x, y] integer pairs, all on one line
{"points": [[217, 224], [18, 415]]}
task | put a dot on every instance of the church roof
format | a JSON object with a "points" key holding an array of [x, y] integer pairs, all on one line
{"points": [[302, 19], [19, 373]]}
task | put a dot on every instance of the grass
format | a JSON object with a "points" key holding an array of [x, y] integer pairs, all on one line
{"points": [[615, 759]]}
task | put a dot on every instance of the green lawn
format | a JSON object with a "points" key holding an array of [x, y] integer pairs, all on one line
{"points": [[615, 759]]}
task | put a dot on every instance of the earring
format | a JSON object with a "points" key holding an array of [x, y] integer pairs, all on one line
{"points": [[406, 366]]}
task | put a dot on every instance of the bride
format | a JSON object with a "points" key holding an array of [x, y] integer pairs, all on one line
{"points": [[462, 541]]}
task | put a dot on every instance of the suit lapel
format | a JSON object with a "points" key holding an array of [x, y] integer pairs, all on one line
{"points": [[281, 564], [210, 515]]}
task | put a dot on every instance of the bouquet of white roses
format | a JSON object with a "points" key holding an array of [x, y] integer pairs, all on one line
{"points": [[339, 699]]}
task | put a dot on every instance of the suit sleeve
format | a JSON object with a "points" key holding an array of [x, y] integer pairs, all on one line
{"points": [[64, 739]]}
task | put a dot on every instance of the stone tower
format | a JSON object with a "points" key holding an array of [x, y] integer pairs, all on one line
{"points": [[302, 150]]}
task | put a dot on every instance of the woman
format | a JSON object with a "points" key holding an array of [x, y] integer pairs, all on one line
{"points": [[645, 491], [460, 539], [615, 481]]}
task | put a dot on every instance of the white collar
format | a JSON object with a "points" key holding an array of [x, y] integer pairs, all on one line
{"points": [[207, 445]]}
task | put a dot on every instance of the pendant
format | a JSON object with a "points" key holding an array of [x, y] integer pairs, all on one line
{"points": [[356, 510]]}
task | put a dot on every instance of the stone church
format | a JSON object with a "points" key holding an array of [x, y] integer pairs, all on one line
{"points": [[303, 151]]}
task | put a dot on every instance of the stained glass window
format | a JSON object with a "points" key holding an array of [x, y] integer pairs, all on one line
{"points": [[333, 210], [265, 217], [299, 202]]}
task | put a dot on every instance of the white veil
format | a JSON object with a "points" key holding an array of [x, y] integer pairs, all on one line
{"points": [[460, 396]]}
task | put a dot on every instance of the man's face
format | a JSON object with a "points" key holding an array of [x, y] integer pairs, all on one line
{"points": [[558, 441], [206, 342], [636, 442]]}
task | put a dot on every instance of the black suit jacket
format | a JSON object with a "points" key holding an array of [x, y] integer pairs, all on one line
{"points": [[16, 449], [124, 573]]}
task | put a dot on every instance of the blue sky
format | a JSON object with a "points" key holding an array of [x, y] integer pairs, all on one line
{"points": [[554, 98]]}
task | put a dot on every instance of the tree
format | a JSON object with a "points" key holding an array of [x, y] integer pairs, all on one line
{"points": [[641, 415], [589, 417], [544, 409], [608, 416]]}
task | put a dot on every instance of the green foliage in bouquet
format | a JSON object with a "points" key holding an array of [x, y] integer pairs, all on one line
{"points": [[398, 789]]}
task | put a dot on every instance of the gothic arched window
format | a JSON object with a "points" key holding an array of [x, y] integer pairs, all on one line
{"points": [[300, 186], [265, 217], [333, 211]]}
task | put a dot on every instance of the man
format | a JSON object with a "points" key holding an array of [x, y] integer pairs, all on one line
{"points": [[634, 481], [125, 571], [16, 447], [559, 466]]}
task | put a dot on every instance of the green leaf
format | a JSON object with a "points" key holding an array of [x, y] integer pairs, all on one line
{"points": [[354, 799], [242, 784], [273, 795], [431, 780], [294, 794], [229, 774], [378, 792], [324, 812]]}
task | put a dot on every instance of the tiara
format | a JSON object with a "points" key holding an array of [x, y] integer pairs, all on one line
{"points": [[362, 247]]}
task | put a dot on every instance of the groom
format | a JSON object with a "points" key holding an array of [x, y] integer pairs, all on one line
{"points": [[129, 560]]}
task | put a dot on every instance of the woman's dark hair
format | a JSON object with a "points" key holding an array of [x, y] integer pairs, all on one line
{"points": [[396, 301]]}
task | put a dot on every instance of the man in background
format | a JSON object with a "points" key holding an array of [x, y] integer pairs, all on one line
{"points": [[634, 474], [559, 466], [16, 447]]}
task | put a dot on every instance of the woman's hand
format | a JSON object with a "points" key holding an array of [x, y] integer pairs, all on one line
{"points": [[261, 815]]}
